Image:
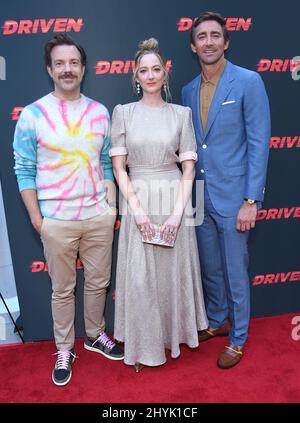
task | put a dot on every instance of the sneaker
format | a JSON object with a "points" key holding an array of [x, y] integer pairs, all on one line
{"points": [[105, 346], [62, 371]]}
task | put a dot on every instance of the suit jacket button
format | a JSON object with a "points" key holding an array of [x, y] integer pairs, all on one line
{"points": [[202, 170], [204, 146]]}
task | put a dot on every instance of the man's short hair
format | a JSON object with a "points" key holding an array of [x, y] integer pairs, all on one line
{"points": [[60, 40], [209, 16]]}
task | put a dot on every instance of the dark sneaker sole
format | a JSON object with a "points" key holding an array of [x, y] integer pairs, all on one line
{"points": [[87, 347], [63, 383]]}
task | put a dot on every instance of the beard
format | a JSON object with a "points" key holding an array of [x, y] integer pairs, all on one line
{"points": [[212, 59]]}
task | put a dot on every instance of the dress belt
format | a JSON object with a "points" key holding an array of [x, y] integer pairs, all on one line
{"points": [[153, 169]]}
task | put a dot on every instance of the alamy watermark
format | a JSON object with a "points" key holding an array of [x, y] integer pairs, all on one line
{"points": [[2, 69], [296, 70], [158, 197], [296, 329]]}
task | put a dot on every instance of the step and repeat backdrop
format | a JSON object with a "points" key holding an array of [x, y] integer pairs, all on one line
{"points": [[263, 37]]}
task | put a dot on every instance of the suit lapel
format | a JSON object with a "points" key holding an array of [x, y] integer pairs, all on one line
{"points": [[196, 107], [223, 88]]}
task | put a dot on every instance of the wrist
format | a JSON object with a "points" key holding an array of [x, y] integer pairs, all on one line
{"points": [[250, 201], [36, 216], [177, 212], [134, 205], [138, 211]]}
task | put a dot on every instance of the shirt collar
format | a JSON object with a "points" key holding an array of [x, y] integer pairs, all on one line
{"points": [[215, 79]]}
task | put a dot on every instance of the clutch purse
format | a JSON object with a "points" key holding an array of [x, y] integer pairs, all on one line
{"points": [[156, 239]]}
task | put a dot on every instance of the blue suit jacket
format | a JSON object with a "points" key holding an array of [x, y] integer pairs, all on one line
{"points": [[233, 149]]}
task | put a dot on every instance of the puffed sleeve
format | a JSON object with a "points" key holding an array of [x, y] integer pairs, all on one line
{"points": [[187, 144], [118, 133]]}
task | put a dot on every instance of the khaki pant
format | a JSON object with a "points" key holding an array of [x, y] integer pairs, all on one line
{"points": [[63, 240]]}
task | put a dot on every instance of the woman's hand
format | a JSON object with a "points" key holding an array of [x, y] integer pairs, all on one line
{"points": [[170, 228], [144, 224]]}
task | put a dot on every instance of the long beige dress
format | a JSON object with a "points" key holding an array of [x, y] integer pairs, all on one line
{"points": [[159, 301]]}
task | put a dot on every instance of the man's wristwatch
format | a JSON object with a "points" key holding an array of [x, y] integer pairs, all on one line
{"points": [[249, 201]]}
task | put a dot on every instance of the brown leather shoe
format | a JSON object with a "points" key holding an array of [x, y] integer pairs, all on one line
{"points": [[230, 356], [205, 335]]}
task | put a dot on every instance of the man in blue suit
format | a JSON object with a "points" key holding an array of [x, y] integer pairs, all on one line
{"points": [[231, 118]]}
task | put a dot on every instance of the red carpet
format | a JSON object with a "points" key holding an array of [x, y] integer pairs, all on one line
{"points": [[268, 372]]}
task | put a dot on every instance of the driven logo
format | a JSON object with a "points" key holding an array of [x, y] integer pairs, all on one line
{"points": [[15, 114], [117, 225], [28, 26], [273, 278], [232, 24], [41, 266], [119, 67], [279, 65], [277, 214], [285, 142]]}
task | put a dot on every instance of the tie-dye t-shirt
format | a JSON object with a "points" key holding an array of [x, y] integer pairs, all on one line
{"points": [[62, 151]]}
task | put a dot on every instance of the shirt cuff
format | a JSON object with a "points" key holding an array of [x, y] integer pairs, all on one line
{"points": [[118, 151], [26, 184], [188, 155]]}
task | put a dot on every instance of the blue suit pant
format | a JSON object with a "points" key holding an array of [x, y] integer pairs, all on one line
{"points": [[224, 265]]}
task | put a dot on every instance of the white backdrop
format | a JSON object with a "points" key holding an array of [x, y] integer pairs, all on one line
{"points": [[7, 284]]}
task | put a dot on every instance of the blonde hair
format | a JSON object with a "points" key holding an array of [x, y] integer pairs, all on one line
{"points": [[147, 47]]}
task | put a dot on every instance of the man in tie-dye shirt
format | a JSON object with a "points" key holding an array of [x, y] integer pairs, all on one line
{"points": [[65, 178]]}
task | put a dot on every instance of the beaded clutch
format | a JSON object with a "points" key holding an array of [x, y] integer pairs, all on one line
{"points": [[156, 239]]}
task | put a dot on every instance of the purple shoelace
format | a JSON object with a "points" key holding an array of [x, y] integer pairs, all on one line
{"points": [[104, 340], [63, 359]]}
